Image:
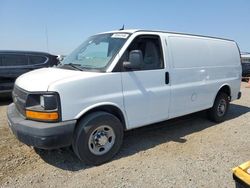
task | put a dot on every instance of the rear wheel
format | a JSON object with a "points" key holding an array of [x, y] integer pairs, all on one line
{"points": [[220, 108], [98, 138]]}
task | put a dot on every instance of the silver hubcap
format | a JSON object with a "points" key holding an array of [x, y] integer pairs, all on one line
{"points": [[101, 140], [222, 107]]}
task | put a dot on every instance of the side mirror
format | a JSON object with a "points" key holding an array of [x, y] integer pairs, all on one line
{"points": [[60, 57], [135, 60]]}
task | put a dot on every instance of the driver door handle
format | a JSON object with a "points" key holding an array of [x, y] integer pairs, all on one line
{"points": [[166, 78]]}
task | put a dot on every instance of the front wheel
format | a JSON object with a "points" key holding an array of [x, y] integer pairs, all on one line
{"points": [[98, 138], [220, 108]]}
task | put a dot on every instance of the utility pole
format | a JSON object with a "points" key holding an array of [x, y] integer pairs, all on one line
{"points": [[47, 38]]}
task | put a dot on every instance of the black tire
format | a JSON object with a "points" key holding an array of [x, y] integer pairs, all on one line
{"points": [[216, 115], [85, 130], [248, 77]]}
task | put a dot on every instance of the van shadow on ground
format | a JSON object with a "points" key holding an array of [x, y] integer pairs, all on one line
{"points": [[144, 138]]}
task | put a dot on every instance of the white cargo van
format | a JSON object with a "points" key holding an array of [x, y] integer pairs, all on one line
{"points": [[121, 80]]}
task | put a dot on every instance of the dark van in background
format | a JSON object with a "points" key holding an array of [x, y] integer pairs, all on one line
{"points": [[15, 63], [245, 60]]}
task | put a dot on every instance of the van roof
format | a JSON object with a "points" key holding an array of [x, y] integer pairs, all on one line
{"points": [[131, 31]]}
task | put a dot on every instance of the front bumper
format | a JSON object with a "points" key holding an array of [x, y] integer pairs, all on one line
{"points": [[40, 134]]}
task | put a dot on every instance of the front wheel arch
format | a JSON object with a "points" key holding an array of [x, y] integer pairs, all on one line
{"points": [[112, 109]]}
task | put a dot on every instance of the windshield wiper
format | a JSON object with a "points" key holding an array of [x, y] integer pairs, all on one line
{"points": [[75, 66], [88, 67]]}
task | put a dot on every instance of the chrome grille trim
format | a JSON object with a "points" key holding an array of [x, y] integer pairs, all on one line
{"points": [[19, 98]]}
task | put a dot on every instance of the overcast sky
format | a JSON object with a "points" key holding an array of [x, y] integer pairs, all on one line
{"points": [[23, 23]]}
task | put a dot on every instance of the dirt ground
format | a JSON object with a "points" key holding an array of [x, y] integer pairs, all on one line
{"points": [[185, 152]]}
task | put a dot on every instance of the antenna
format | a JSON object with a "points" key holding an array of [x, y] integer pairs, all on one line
{"points": [[122, 28]]}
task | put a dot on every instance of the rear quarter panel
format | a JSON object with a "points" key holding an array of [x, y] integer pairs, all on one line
{"points": [[200, 66]]}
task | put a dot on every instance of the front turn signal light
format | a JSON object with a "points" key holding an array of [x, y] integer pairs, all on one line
{"points": [[43, 116]]}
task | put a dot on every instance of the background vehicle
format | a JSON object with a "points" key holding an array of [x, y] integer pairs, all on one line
{"points": [[122, 80], [15, 63], [245, 60]]}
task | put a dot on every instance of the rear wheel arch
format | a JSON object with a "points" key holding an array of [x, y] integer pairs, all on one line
{"points": [[224, 89]]}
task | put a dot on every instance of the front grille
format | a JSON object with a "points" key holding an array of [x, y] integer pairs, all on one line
{"points": [[19, 98]]}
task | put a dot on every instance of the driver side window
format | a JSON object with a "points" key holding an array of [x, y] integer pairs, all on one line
{"points": [[150, 47]]}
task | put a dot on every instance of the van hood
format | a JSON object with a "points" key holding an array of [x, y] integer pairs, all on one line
{"points": [[41, 79]]}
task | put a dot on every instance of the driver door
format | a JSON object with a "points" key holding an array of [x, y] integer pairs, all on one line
{"points": [[146, 91]]}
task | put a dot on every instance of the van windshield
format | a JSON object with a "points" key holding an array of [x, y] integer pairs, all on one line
{"points": [[97, 51]]}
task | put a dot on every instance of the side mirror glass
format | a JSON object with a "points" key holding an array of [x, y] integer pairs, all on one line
{"points": [[135, 60]]}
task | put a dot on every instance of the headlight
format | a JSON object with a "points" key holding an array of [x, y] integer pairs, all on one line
{"points": [[43, 107], [48, 102]]}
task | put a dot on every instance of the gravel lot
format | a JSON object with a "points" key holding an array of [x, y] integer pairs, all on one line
{"points": [[185, 152]]}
